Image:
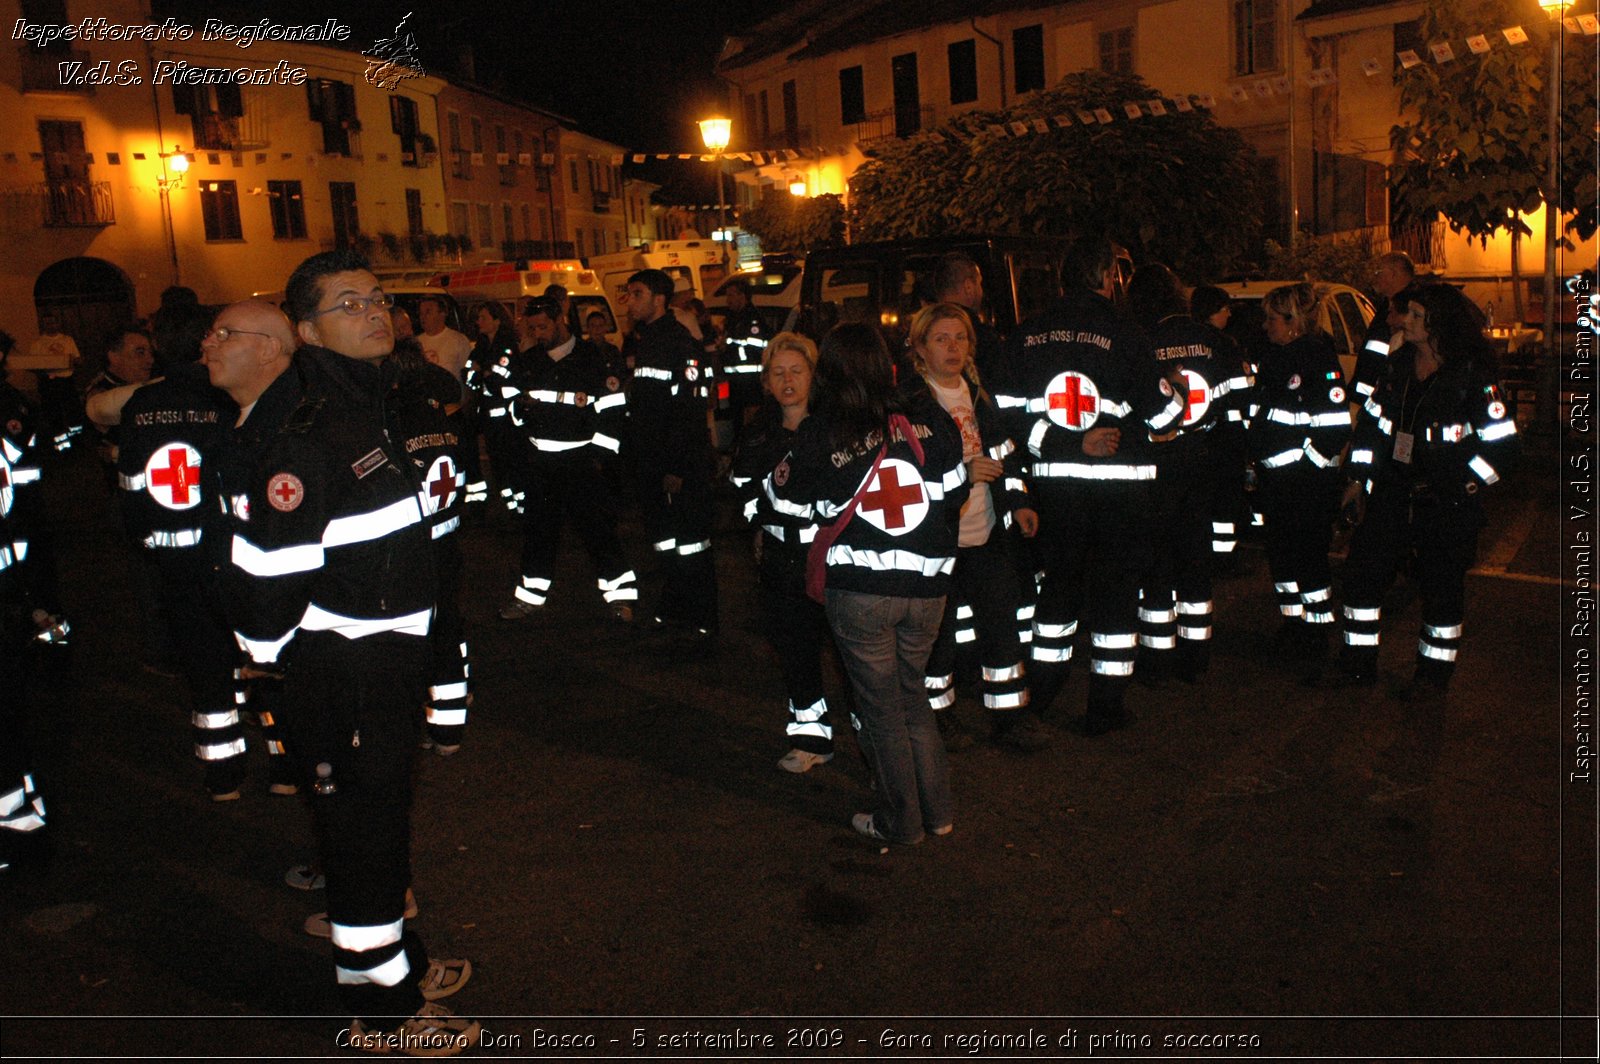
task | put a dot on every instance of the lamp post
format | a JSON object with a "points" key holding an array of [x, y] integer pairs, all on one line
{"points": [[177, 163], [1550, 371], [716, 131]]}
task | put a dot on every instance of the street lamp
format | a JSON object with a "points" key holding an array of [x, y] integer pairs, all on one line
{"points": [[1550, 372], [716, 131], [797, 185], [178, 163]]}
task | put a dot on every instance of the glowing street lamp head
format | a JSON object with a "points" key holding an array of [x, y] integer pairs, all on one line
{"points": [[179, 163], [1554, 8], [716, 132], [797, 186]]}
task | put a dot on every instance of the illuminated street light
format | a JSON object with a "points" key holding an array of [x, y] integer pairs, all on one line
{"points": [[797, 186], [716, 132]]}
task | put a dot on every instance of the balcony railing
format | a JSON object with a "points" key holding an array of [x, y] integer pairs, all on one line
{"points": [[77, 204], [41, 69], [879, 126], [1423, 242]]}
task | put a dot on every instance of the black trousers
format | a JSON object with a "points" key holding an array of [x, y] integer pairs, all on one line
{"points": [[189, 612], [1300, 505], [573, 490], [981, 608], [449, 675], [1444, 537], [797, 628], [1175, 605], [679, 529], [22, 810], [353, 705], [1095, 540]]}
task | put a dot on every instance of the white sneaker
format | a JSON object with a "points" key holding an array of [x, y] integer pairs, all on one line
{"points": [[434, 1031], [802, 760]]}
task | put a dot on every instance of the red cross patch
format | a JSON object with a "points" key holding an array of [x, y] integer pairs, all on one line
{"points": [[285, 492], [780, 476], [1074, 401], [1294, 382], [1497, 409], [894, 501], [1336, 394], [172, 476], [14, 427], [439, 487], [1197, 397]]}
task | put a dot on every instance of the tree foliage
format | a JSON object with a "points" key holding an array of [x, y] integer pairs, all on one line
{"points": [[785, 222], [1176, 187], [1478, 150], [1315, 258]]}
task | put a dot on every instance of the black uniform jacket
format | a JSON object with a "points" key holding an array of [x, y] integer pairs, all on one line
{"points": [[328, 527], [1080, 366]]}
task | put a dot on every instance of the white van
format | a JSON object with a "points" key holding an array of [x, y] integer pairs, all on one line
{"points": [[509, 282], [700, 261]]}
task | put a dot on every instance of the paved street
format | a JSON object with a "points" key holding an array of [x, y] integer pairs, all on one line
{"points": [[614, 841]]}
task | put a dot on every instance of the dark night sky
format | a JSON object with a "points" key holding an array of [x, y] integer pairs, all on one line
{"points": [[634, 74]]}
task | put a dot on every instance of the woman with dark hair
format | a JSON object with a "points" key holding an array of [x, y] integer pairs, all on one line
{"points": [[984, 604], [889, 483], [1297, 438], [1433, 433]]}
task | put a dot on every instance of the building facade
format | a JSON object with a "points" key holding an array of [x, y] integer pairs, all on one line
{"points": [[1310, 86]]}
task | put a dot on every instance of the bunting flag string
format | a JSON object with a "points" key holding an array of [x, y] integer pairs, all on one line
{"points": [[1261, 88]]}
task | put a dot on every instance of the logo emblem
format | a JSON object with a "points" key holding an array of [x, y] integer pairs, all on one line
{"points": [[373, 460], [1074, 401], [172, 476], [439, 487], [285, 492], [692, 372], [1336, 394], [1497, 410], [1197, 397], [894, 501], [1294, 382], [780, 476], [612, 384]]}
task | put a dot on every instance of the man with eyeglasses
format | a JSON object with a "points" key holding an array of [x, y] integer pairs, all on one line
{"points": [[336, 590]]}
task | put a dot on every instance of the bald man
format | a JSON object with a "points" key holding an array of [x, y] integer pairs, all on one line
{"points": [[335, 583]]}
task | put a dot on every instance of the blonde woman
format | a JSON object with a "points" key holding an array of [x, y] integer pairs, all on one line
{"points": [[794, 624], [943, 343], [1297, 439]]}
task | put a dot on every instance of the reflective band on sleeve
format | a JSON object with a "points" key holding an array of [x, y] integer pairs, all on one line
{"points": [[1052, 654], [556, 446], [1085, 471], [1361, 456], [444, 528], [1157, 616], [446, 691], [1158, 642], [1194, 634], [1434, 631], [219, 751], [1115, 640], [610, 443], [133, 483], [1484, 470], [1283, 458], [445, 717], [264, 651], [213, 721], [1002, 451], [1497, 430], [1428, 650], [1007, 700], [1361, 639], [186, 537], [1055, 631], [1363, 613], [252, 559], [1111, 668], [694, 548], [1377, 347]]}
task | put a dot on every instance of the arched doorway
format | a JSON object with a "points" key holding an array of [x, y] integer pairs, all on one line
{"points": [[90, 296]]}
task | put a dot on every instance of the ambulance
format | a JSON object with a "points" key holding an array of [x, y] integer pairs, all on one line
{"points": [[701, 262], [509, 282]]}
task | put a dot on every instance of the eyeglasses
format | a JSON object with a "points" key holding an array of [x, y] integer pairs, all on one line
{"points": [[355, 305], [221, 334]]}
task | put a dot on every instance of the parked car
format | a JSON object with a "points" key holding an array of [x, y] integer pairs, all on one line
{"points": [[884, 282], [1345, 315]]}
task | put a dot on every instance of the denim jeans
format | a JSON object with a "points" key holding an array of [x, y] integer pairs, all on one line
{"points": [[884, 644]]}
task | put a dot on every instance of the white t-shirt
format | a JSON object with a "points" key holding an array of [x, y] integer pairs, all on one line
{"points": [[977, 516], [53, 355], [446, 348]]}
